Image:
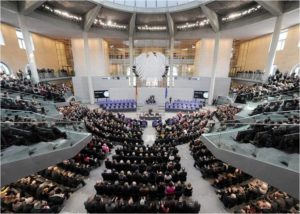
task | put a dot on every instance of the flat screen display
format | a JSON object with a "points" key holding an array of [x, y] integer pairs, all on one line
{"points": [[101, 94], [200, 94]]}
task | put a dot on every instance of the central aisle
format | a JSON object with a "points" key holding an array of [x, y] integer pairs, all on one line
{"points": [[149, 135], [203, 192], [75, 204]]}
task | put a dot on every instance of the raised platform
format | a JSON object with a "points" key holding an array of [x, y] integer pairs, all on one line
{"points": [[150, 117]]}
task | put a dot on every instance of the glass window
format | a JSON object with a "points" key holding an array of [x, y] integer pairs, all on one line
{"points": [[161, 3], [297, 71], [4, 68], [21, 41], [119, 1], [281, 41], [1, 39], [140, 3], [130, 3], [151, 3], [172, 3]]}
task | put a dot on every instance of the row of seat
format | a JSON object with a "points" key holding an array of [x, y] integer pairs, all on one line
{"points": [[183, 105], [118, 105], [108, 101]]}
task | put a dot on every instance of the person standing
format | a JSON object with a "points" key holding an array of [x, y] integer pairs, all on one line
{"points": [[20, 74]]}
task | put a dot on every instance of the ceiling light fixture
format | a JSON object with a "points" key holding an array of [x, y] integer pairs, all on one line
{"points": [[151, 28], [196, 24], [109, 24], [240, 14], [62, 13]]}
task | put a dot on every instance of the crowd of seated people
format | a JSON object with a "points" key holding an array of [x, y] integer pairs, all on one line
{"points": [[47, 90], [241, 193], [183, 128], [280, 105], [20, 103], [277, 84], [235, 188], [226, 112], [282, 135], [74, 111], [27, 131], [63, 177], [273, 202], [143, 179], [116, 128], [33, 194], [89, 157]]}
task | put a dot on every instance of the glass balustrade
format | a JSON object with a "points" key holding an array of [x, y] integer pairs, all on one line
{"points": [[75, 134], [15, 94], [226, 139], [35, 105]]}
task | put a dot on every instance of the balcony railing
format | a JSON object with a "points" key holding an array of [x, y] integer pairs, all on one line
{"points": [[256, 76], [52, 75]]}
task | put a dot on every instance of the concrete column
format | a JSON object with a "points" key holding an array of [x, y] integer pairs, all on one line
{"points": [[29, 49], [171, 63], [131, 58], [88, 66], [214, 67], [273, 46]]}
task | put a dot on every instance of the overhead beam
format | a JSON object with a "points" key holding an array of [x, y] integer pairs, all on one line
{"points": [[273, 7], [27, 7], [170, 24], [90, 16], [132, 25], [212, 17]]}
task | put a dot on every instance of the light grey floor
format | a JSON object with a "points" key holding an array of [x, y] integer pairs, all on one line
{"points": [[75, 204], [149, 134], [202, 190]]}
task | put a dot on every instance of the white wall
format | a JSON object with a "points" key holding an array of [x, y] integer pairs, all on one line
{"points": [[201, 85], [204, 57], [119, 89], [98, 50], [98, 53], [100, 83]]}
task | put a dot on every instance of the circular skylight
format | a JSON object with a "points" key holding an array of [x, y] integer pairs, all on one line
{"points": [[150, 3]]}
